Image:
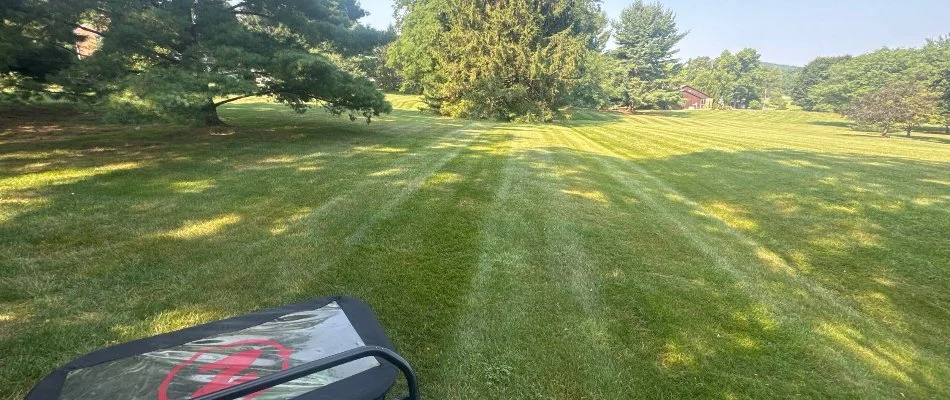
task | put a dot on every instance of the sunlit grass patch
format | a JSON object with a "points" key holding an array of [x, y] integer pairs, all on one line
{"points": [[201, 228], [589, 195], [61, 176], [196, 186], [443, 178], [166, 321]]}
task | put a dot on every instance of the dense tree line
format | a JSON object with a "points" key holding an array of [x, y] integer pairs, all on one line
{"points": [[499, 59], [527, 58], [882, 89], [737, 80]]}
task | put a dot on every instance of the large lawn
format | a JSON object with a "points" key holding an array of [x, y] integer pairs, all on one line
{"points": [[688, 254]]}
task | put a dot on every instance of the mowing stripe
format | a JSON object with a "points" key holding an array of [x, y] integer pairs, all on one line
{"points": [[382, 213], [676, 139], [782, 305], [386, 211], [469, 338], [681, 223], [565, 253]]}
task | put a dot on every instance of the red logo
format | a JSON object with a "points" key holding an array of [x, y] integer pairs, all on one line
{"points": [[230, 369]]}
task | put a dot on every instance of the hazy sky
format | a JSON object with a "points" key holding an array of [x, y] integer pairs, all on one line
{"points": [[787, 32]]}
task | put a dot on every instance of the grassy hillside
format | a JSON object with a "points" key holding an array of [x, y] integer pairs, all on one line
{"points": [[730, 254]]}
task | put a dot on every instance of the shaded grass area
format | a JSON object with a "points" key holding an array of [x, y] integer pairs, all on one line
{"points": [[689, 254]]}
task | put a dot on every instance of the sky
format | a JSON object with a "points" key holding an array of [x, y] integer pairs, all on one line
{"points": [[786, 32]]}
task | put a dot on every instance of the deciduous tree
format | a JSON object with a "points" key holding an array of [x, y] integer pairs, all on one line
{"points": [[731, 79], [812, 74], [858, 76], [898, 103], [942, 87], [771, 81]]}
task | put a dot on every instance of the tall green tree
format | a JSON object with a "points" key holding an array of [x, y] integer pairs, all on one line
{"points": [[942, 89], [422, 26], [936, 60], [646, 35], [725, 73], [812, 74], [771, 82], [594, 88], [184, 59], [501, 59], [747, 78], [698, 72]]}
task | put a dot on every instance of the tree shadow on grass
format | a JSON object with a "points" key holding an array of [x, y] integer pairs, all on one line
{"points": [[837, 124], [585, 117], [915, 136], [807, 269], [934, 134], [114, 237], [664, 113], [943, 139]]}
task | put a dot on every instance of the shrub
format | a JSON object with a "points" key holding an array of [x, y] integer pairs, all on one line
{"points": [[779, 103]]}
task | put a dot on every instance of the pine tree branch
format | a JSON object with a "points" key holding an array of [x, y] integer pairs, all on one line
{"points": [[239, 98], [237, 6], [84, 28], [254, 14]]}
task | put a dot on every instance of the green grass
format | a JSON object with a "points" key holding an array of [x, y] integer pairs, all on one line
{"points": [[690, 254]]}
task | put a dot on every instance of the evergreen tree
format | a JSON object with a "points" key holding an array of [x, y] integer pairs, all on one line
{"points": [[183, 59], [646, 36], [501, 59], [37, 42]]}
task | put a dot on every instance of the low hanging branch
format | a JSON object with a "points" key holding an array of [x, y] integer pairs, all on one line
{"points": [[239, 98]]}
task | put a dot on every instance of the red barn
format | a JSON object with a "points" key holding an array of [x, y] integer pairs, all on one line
{"points": [[694, 98]]}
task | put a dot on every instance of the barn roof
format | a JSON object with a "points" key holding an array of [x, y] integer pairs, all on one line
{"points": [[687, 88]]}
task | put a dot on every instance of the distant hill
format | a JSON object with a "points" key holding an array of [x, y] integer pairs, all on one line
{"points": [[783, 67]]}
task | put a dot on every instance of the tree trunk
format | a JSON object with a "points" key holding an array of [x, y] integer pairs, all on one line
{"points": [[908, 131], [208, 116], [885, 131]]}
